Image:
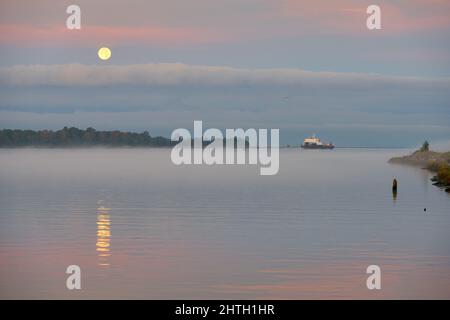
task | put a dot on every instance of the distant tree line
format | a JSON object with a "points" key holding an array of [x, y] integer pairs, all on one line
{"points": [[76, 137]]}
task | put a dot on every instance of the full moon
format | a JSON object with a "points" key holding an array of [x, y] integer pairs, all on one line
{"points": [[104, 53]]}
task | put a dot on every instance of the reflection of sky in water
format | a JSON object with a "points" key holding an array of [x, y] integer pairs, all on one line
{"points": [[220, 231]]}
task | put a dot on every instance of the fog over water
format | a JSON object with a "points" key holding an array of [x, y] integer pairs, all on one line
{"points": [[141, 227]]}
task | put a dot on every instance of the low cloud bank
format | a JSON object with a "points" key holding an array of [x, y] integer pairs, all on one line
{"points": [[176, 74]]}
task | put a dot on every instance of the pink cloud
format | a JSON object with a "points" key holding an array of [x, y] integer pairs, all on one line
{"points": [[88, 35], [349, 16], [200, 22]]}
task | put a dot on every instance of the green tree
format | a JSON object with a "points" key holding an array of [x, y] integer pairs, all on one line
{"points": [[425, 146]]}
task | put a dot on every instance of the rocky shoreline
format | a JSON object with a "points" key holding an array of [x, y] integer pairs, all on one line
{"points": [[423, 158], [437, 162]]}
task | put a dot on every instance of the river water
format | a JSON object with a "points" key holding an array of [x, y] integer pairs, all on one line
{"points": [[140, 227]]}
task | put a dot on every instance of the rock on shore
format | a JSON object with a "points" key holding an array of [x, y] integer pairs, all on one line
{"points": [[423, 158]]}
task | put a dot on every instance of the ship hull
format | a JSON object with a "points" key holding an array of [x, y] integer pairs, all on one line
{"points": [[317, 147]]}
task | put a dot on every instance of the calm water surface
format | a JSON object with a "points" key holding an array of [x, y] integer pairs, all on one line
{"points": [[140, 227]]}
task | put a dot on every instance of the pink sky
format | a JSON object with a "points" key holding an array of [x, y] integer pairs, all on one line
{"points": [[201, 21]]}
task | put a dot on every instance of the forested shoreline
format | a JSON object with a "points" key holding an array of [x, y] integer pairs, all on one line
{"points": [[74, 137]]}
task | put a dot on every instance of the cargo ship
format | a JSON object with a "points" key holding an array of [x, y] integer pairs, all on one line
{"points": [[314, 143]]}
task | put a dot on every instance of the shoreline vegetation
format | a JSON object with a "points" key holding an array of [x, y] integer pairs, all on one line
{"points": [[436, 162], [73, 137]]}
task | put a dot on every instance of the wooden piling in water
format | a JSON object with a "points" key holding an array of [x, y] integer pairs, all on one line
{"points": [[394, 189], [394, 185]]}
